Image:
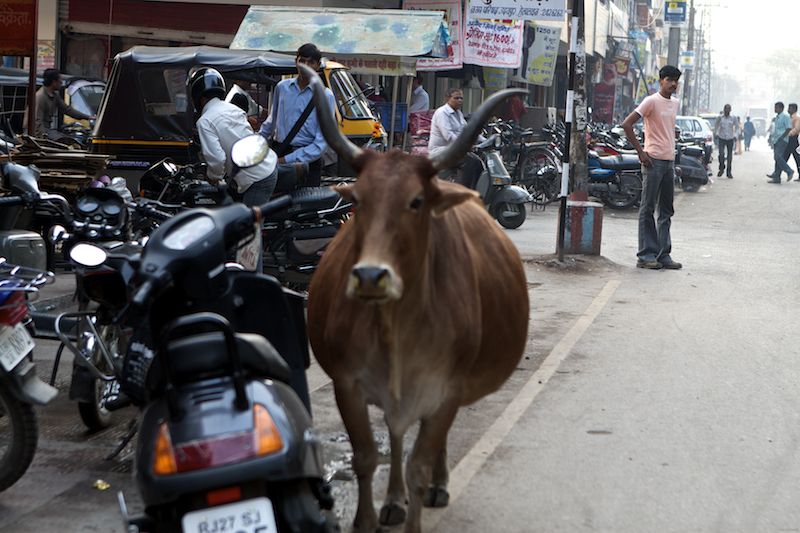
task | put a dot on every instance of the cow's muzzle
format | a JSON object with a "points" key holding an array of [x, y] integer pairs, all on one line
{"points": [[377, 283]]}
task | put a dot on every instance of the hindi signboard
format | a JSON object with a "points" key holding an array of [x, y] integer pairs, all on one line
{"points": [[553, 10], [493, 43], [453, 18], [540, 57], [17, 27]]}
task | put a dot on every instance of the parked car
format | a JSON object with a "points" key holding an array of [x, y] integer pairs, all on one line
{"points": [[697, 130]]}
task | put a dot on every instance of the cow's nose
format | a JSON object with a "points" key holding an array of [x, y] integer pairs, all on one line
{"points": [[371, 277]]}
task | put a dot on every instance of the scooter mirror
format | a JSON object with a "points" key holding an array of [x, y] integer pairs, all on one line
{"points": [[57, 234], [23, 179], [249, 151], [87, 255]]}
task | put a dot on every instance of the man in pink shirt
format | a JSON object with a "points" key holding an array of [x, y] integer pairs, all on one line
{"points": [[658, 169]]}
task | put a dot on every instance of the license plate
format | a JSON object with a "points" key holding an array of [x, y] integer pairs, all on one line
{"points": [[15, 344], [249, 516]]}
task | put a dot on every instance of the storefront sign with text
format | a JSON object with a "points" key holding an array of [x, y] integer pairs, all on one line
{"points": [[553, 10], [17, 23], [493, 43]]}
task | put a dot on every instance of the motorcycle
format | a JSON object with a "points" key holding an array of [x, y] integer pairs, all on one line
{"points": [[101, 217], [217, 362], [505, 202], [293, 239], [616, 180], [20, 388]]}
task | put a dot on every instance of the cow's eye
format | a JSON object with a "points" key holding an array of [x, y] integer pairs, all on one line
{"points": [[416, 203]]}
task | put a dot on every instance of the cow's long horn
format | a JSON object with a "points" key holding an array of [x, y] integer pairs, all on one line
{"points": [[453, 154], [330, 130]]}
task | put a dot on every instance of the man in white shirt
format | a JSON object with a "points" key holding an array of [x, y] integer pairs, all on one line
{"points": [[220, 125], [420, 101], [448, 122]]}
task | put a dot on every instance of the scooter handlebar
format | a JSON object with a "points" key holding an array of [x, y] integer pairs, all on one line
{"points": [[273, 206], [10, 201]]}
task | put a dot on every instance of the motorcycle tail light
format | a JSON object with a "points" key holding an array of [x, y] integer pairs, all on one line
{"points": [[263, 439], [164, 458], [268, 438], [13, 309]]}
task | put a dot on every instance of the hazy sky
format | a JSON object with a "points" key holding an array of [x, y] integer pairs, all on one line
{"points": [[744, 29]]}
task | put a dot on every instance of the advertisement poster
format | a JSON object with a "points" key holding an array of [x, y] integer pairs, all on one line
{"points": [[494, 79], [45, 55], [622, 65], [453, 18], [17, 25], [603, 109], [540, 54], [493, 43], [553, 10]]}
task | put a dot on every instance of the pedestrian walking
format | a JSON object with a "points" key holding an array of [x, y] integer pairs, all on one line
{"points": [[292, 125], [726, 131], [659, 112], [791, 149], [739, 136], [781, 126], [749, 131]]}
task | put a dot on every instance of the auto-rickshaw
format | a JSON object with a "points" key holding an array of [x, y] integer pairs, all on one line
{"points": [[82, 93], [145, 116]]}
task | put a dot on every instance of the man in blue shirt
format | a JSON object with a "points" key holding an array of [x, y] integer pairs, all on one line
{"points": [[289, 100], [778, 141]]}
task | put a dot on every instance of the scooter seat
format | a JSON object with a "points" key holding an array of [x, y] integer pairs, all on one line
{"points": [[206, 355], [620, 162], [308, 199]]}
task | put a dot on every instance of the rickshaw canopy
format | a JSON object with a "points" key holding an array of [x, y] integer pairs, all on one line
{"points": [[146, 94]]}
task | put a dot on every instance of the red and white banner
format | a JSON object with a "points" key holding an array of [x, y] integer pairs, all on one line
{"points": [[493, 43]]}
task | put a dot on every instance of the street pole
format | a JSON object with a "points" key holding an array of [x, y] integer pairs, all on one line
{"points": [[674, 46], [577, 12], [687, 85], [32, 72]]}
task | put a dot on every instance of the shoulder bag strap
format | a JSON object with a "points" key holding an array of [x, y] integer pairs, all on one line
{"points": [[286, 145]]}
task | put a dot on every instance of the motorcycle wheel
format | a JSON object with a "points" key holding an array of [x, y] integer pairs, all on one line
{"points": [[543, 189], [628, 194], [510, 216], [19, 434], [94, 414]]}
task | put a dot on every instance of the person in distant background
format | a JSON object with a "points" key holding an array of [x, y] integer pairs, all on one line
{"points": [[513, 109], [791, 149], [749, 131], [420, 101], [48, 105]]}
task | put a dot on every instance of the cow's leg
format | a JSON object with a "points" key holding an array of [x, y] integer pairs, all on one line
{"points": [[393, 511], [437, 495], [355, 416], [431, 440]]}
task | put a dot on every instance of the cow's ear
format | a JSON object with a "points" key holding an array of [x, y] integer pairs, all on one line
{"points": [[345, 190], [450, 195]]}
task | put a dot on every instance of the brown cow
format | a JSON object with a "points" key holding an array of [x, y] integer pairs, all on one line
{"points": [[419, 306]]}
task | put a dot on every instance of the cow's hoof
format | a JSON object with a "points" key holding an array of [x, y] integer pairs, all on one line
{"points": [[437, 497], [392, 514]]}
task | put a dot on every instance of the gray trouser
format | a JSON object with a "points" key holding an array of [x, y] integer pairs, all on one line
{"points": [[723, 145], [780, 163], [658, 189], [256, 194]]}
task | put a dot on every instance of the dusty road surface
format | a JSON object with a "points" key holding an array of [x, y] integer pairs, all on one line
{"points": [[646, 401]]}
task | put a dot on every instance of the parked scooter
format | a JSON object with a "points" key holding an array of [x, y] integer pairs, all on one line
{"points": [[689, 167], [217, 361], [20, 388], [506, 202]]}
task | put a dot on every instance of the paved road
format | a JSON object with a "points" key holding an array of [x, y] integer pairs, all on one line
{"points": [[646, 401]]}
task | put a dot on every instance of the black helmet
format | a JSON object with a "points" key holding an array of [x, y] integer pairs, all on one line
{"points": [[206, 82]]}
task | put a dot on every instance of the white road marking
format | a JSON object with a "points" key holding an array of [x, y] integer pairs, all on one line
{"points": [[472, 462]]}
